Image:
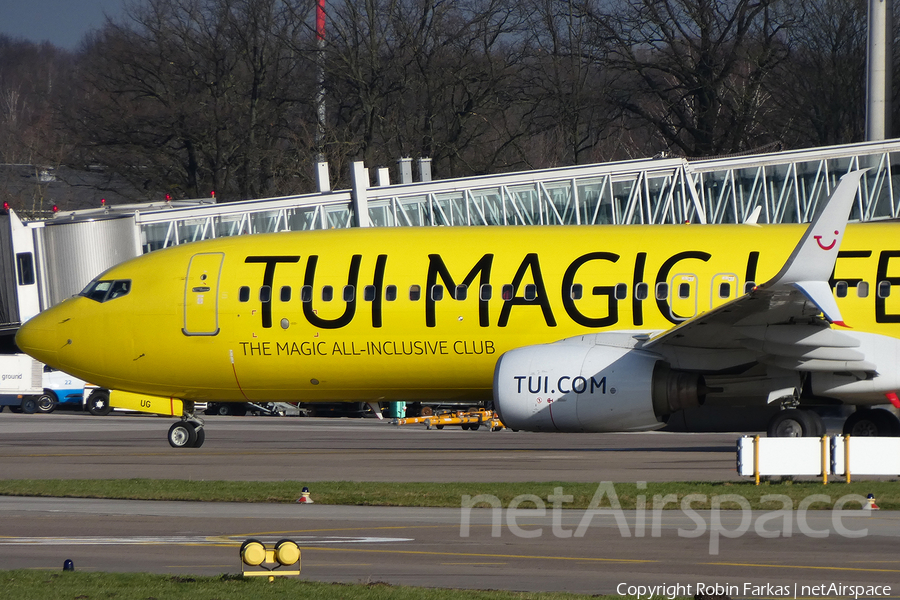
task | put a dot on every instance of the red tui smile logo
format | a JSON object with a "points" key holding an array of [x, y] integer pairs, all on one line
{"points": [[818, 239]]}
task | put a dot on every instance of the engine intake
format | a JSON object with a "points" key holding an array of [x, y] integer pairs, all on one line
{"points": [[579, 386]]}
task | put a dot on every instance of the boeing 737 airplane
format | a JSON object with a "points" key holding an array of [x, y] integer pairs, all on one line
{"points": [[584, 328]]}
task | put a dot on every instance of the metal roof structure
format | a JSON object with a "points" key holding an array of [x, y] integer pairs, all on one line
{"points": [[782, 187]]}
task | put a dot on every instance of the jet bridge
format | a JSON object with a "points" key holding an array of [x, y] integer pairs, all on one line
{"points": [[782, 187]]}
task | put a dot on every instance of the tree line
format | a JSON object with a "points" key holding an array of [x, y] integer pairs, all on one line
{"points": [[188, 96]]}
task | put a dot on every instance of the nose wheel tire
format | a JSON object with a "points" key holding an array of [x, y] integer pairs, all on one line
{"points": [[185, 434]]}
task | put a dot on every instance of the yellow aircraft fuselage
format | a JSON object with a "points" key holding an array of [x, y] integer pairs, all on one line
{"points": [[379, 314]]}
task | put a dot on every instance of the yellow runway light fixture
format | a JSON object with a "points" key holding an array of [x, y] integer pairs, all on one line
{"points": [[285, 554]]}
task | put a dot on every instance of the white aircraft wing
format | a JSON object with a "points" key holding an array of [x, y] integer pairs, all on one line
{"points": [[780, 320]]}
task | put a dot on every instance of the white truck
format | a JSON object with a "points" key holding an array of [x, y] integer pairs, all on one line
{"points": [[21, 382]]}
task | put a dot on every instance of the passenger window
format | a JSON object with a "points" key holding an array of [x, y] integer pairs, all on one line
{"points": [[327, 293], [748, 287], [462, 292], [862, 289], [840, 289], [265, 293], [244, 294], [506, 292], [306, 293], [724, 289], [369, 293], [390, 293], [286, 293], [576, 291], [530, 292], [641, 291], [485, 292], [415, 292], [621, 291], [662, 290], [884, 289], [437, 292], [348, 293], [684, 290]]}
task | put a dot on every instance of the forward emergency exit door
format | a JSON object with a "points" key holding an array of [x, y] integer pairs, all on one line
{"points": [[201, 294]]}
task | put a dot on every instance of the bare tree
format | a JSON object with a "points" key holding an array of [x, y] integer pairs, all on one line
{"points": [[820, 91], [694, 70], [194, 96]]}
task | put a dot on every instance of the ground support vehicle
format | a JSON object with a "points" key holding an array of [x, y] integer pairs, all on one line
{"points": [[21, 382], [471, 420]]}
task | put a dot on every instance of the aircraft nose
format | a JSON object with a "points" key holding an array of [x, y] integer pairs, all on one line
{"points": [[40, 337]]}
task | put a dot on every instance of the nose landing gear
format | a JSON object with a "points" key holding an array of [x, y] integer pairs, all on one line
{"points": [[188, 432]]}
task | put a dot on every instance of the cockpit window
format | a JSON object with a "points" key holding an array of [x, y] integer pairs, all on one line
{"points": [[104, 290]]}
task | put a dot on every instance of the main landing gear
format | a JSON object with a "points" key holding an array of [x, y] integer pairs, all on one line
{"points": [[188, 432], [796, 422]]}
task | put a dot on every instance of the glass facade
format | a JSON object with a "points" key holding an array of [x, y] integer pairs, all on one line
{"points": [[772, 188]]}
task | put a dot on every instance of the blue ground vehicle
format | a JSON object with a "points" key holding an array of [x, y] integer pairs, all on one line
{"points": [[60, 389]]}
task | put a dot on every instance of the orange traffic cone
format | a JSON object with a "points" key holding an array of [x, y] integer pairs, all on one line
{"points": [[304, 497]]}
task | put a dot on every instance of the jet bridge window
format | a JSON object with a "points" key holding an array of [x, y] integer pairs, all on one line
{"points": [[25, 268], [103, 291]]}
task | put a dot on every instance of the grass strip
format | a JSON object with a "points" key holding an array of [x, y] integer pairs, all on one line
{"points": [[450, 495], [40, 585]]}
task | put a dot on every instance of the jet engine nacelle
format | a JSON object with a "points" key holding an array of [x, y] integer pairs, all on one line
{"points": [[592, 388]]}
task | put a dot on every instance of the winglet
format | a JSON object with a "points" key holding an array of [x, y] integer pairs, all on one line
{"points": [[812, 262]]}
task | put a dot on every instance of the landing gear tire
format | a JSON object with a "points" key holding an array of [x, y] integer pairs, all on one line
{"points": [[46, 402], [201, 437], [872, 422], [183, 434], [795, 422], [98, 403]]}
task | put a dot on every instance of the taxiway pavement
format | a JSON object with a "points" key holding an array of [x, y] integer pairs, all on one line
{"points": [[570, 550]]}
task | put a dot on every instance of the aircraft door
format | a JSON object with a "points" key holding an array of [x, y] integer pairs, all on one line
{"points": [[683, 295], [201, 294]]}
